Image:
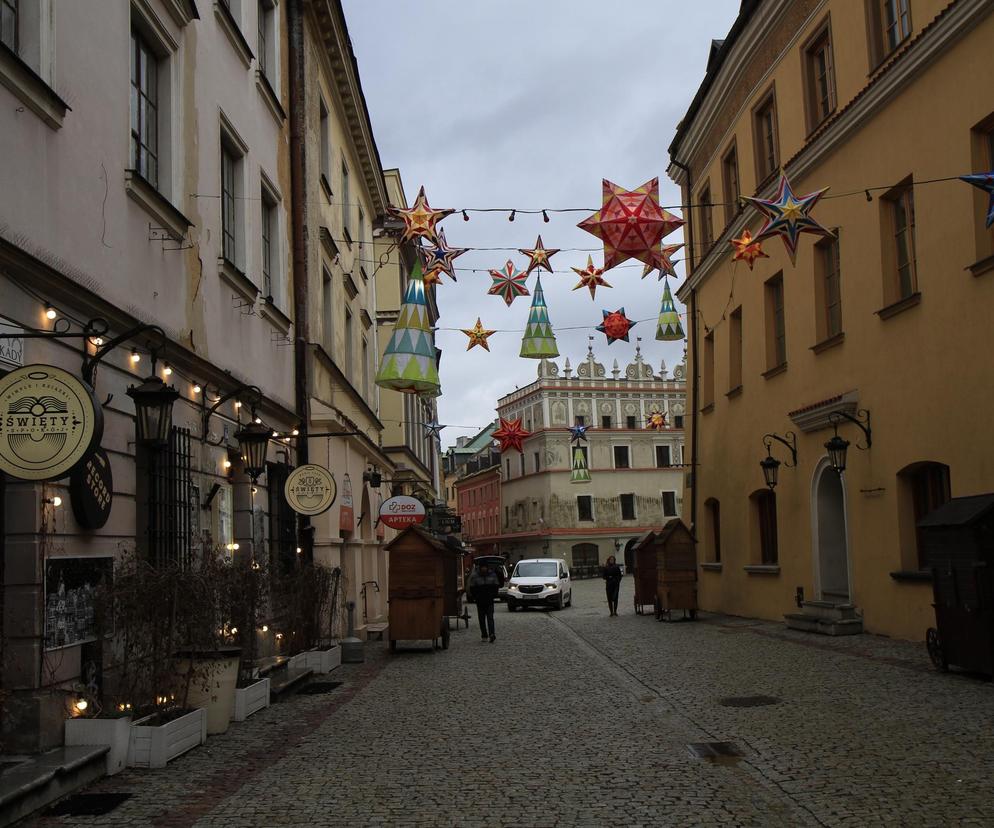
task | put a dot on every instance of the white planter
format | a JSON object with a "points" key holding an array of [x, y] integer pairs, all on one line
{"points": [[324, 661], [152, 746], [115, 733], [298, 661], [251, 699], [218, 698]]}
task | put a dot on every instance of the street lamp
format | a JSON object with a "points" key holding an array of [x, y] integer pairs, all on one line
{"points": [[837, 446], [253, 440], [771, 468], [153, 411], [769, 464]]}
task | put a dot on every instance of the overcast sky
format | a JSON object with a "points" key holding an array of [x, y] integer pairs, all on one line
{"points": [[529, 104]]}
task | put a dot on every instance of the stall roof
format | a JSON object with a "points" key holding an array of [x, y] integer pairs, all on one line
{"points": [[429, 538], [959, 511]]}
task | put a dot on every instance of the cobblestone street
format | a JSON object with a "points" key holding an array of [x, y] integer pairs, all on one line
{"points": [[575, 718]]}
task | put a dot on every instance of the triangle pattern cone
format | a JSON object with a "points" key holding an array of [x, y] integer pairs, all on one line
{"points": [[669, 328], [539, 342], [409, 361], [580, 473]]}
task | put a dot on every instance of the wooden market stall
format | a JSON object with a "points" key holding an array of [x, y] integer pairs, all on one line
{"points": [[676, 570], [644, 572]]}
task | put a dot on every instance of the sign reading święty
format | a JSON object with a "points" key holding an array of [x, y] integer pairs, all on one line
{"points": [[310, 489]]}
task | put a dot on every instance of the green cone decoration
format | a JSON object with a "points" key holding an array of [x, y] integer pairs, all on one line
{"points": [[409, 361], [539, 342], [580, 473], [669, 328]]}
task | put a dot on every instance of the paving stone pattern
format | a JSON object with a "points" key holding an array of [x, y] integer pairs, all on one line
{"points": [[575, 718]]}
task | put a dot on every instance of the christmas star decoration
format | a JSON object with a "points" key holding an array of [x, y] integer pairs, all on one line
{"points": [[590, 277], [439, 257], [615, 325], [577, 433], [433, 429], [432, 278], [478, 336], [788, 216], [538, 256], [656, 420], [509, 283], [665, 266], [420, 220], [511, 435], [985, 182], [631, 223], [747, 249]]}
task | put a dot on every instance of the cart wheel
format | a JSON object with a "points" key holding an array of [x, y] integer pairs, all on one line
{"points": [[934, 645], [393, 645], [445, 635]]}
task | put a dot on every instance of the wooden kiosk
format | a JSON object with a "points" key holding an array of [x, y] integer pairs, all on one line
{"points": [[644, 572], [421, 578], [676, 570]]}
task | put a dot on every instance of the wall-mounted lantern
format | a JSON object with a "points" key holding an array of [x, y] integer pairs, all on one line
{"points": [[769, 464], [837, 447]]}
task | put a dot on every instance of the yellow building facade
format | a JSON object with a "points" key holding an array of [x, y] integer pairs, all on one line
{"points": [[875, 100]]}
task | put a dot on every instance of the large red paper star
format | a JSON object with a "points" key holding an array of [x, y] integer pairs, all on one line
{"points": [[420, 220], [538, 256], [615, 325], [747, 249], [509, 283], [511, 435], [631, 224], [590, 277]]}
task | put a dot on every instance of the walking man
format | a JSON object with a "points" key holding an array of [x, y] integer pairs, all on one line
{"points": [[484, 586]]}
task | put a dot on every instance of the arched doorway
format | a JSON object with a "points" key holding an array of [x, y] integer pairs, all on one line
{"points": [[630, 555], [829, 539]]}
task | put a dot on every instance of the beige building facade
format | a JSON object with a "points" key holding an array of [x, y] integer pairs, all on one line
{"points": [[883, 321]]}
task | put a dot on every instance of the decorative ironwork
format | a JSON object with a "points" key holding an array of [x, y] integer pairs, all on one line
{"points": [[169, 507]]}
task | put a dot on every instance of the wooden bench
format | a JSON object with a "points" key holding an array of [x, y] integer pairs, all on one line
{"points": [[377, 630], [270, 664]]}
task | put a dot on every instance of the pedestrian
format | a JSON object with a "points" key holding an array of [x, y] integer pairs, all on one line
{"points": [[484, 585], [612, 577]]}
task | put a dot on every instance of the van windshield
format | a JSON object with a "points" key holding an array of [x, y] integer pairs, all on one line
{"points": [[542, 569]]}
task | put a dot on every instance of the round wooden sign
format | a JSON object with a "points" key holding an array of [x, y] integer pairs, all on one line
{"points": [[310, 489], [49, 421], [91, 490]]}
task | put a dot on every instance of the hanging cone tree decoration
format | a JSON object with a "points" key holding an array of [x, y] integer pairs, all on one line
{"points": [[580, 473], [669, 328], [539, 342], [409, 361]]}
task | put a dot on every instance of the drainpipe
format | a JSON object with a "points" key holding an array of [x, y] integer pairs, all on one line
{"points": [[298, 219], [695, 387]]}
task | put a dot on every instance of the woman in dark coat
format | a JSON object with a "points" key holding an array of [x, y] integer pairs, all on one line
{"points": [[612, 577]]}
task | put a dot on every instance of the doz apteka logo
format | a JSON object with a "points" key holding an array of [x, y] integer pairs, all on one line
{"points": [[401, 511], [49, 421]]}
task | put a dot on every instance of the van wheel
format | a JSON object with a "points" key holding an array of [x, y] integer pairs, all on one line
{"points": [[569, 603], [511, 606]]}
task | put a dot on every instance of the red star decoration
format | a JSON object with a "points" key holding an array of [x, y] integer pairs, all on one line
{"points": [[615, 325], [590, 277], [631, 224], [538, 256], [656, 420], [420, 220], [511, 435], [509, 283], [747, 249]]}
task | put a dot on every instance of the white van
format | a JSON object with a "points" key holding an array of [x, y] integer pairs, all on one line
{"points": [[540, 582]]}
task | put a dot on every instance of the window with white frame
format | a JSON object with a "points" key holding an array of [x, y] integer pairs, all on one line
{"points": [[271, 282], [9, 35], [266, 47], [627, 506], [144, 109], [328, 312], [325, 148], [669, 504], [346, 202]]}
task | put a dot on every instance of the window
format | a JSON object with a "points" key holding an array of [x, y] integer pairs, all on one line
{"points": [[361, 227], [669, 504], [536, 461], [581, 420], [282, 521], [229, 188], [730, 182], [982, 156], [630, 422], [606, 421], [735, 349], [776, 337], [707, 372], [890, 26], [328, 312], [621, 457], [828, 292], [765, 513], [712, 531], [521, 459], [584, 507], [663, 457], [507, 513], [819, 77], [923, 487], [627, 506], [346, 202], [8, 24], [348, 344], [764, 120], [267, 39], [900, 204], [144, 109], [678, 421], [365, 369], [508, 467], [269, 255], [165, 486], [704, 211], [325, 146]]}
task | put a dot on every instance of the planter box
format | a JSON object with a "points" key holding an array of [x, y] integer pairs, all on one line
{"points": [[324, 661], [251, 699], [298, 661], [115, 733], [213, 687], [152, 746]]}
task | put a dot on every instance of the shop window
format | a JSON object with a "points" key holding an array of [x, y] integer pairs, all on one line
{"points": [[764, 507], [282, 520], [164, 489]]}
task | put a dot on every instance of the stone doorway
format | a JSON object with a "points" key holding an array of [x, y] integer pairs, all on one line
{"points": [[829, 541]]}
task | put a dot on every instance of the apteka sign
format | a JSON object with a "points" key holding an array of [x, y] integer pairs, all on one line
{"points": [[401, 511]]}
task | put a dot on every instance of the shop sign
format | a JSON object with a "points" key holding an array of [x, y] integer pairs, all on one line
{"points": [[49, 421], [310, 489], [11, 350], [346, 512], [401, 511], [91, 490]]}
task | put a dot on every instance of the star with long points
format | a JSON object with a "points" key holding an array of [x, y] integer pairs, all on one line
{"points": [[578, 432], [433, 429], [420, 220], [511, 435], [656, 420], [985, 182], [477, 336], [788, 216], [538, 256], [432, 278], [439, 257], [631, 223], [590, 277], [747, 249], [615, 325], [509, 283], [666, 267]]}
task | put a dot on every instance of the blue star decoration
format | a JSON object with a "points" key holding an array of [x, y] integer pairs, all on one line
{"points": [[440, 257], [578, 433], [788, 215], [985, 182], [433, 429]]}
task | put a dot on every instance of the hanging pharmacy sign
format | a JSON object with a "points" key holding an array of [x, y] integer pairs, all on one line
{"points": [[49, 421], [310, 489], [402, 511]]}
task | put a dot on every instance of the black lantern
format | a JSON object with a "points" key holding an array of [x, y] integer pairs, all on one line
{"points": [[253, 440], [153, 411], [771, 468], [836, 448]]}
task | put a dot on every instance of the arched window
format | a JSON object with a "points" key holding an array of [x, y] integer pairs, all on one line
{"points": [[921, 488], [764, 514], [712, 530]]}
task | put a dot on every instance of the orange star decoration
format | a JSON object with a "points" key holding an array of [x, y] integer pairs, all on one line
{"points": [[538, 256], [656, 420], [477, 335], [747, 249], [590, 277], [432, 277], [420, 220], [665, 266], [511, 435]]}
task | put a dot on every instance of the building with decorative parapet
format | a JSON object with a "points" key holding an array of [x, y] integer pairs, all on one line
{"points": [[631, 474]]}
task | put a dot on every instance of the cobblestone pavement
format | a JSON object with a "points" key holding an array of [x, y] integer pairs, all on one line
{"points": [[575, 718]]}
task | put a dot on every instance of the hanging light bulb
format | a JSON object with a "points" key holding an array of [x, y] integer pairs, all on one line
{"points": [[295, 432], [545, 217], [50, 312], [55, 501], [258, 420], [265, 628], [511, 217], [226, 463], [465, 216], [196, 388], [167, 370], [135, 357], [98, 341], [238, 404]]}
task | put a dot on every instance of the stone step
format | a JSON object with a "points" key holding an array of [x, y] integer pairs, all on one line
{"points": [[823, 626], [37, 781], [830, 610]]}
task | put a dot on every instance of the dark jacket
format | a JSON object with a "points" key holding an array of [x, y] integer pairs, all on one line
{"points": [[612, 574], [484, 588]]}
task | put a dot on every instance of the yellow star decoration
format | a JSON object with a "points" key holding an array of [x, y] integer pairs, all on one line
{"points": [[792, 210], [420, 220], [477, 335], [538, 256], [747, 249], [432, 277], [590, 277]]}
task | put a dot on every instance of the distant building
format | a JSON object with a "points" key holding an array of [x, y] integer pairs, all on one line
{"points": [[458, 456], [478, 502]]}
